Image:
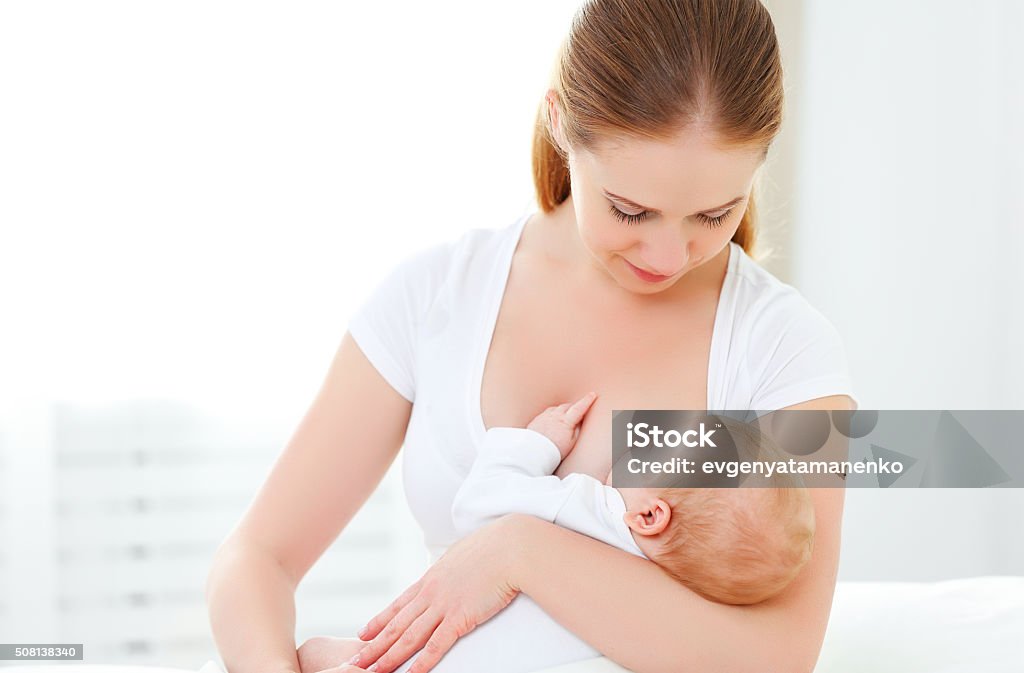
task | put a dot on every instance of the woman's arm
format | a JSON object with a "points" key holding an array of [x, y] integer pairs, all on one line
{"points": [[252, 610], [335, 459], [631, 611]]}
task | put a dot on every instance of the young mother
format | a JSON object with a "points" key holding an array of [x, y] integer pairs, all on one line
{"points": [[633, 280]]}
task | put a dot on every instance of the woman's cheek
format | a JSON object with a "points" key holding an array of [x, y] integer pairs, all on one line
{"points": [[607, 239]]}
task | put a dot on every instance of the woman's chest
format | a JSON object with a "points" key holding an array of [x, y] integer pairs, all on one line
{"points": [[551, 349]]}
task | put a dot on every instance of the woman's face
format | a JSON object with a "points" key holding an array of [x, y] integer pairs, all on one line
{"points": [[661, 207]]}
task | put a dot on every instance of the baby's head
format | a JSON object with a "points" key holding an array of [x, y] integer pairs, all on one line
{"points": [[738, 545], [731, 545]]}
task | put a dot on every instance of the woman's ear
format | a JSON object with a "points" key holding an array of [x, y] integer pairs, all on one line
{"points": [[555, 119], [649, 519]]}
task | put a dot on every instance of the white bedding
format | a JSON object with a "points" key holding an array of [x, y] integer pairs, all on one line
{"points": [[972, 625]]}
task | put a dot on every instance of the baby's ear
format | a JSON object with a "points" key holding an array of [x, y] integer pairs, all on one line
{"points": [[650, 518]]}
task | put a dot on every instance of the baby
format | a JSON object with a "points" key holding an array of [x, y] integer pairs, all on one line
{"points": [[731, 545]]}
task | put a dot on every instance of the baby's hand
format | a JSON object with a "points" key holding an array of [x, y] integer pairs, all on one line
{"points": [[559, 424], [320, 653]]}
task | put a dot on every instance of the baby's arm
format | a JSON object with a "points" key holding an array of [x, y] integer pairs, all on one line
{"points": [[512, 473]]}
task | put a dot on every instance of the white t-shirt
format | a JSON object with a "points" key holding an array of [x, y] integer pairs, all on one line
{"points": [[427, 328], [513, 472]]}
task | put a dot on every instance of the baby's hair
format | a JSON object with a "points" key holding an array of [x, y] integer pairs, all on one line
{"points": [[739, 545]]}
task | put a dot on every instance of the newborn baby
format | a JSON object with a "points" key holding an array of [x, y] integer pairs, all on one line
{"points": [[731, 545]]}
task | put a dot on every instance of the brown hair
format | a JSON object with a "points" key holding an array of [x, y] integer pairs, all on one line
{"points": [[737, 545], [650, 68]]}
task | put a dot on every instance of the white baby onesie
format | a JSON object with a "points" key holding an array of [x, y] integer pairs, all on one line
{"points": [[512, 472]]}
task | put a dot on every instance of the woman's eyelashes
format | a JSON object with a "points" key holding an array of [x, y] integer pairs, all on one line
{"points": [[633, 219], [626, 217], [713, 221]]}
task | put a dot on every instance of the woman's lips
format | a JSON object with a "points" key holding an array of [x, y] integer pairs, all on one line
{"points": [[645, 276]]}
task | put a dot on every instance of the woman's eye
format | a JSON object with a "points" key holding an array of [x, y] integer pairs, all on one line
{"points": [[714, 221], [626, 217], [630, 219]]}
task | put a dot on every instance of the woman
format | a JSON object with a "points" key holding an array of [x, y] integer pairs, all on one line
{"points": [[633, 280]]}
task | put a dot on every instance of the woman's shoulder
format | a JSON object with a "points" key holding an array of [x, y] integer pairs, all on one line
{"points": [[762, 301], [393, 315], [457, 261], [453, 256], [791, 350]]}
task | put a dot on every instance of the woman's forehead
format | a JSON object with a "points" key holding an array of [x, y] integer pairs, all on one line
{"points": [[675, 175]]}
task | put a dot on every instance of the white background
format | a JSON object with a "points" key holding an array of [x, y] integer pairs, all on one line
{"points": [[195, 195]]}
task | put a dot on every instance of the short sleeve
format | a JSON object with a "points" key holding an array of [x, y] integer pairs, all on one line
{"points": [[386, 324], [796, 355]]}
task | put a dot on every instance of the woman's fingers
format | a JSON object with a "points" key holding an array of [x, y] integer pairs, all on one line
{"points": [[444, 637], [468, 585], [412, 640], [398, 628], [374, 626]]}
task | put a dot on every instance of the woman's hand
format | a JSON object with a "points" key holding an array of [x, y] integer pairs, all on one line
{"points": [[468, 585]]}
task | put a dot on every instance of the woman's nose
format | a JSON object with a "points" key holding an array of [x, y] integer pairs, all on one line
{"points": [[665, 252]]}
